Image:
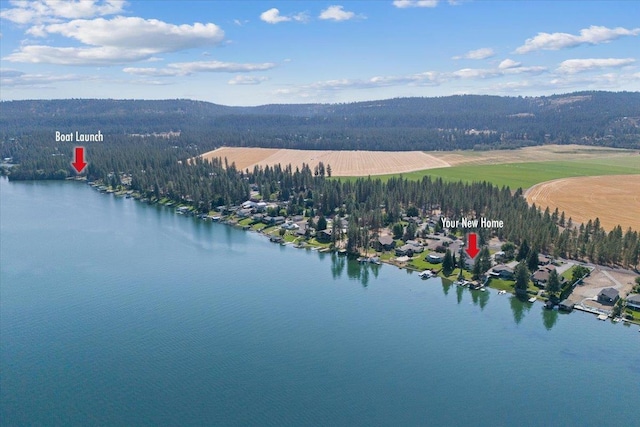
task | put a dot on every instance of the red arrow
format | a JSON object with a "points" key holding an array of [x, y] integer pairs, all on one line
{"points": [[78, 163], [472, 245]]}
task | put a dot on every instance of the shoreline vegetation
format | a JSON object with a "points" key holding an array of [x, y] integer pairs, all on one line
{"points": [[286, 232]]}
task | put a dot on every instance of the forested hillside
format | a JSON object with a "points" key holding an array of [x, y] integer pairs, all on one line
{"points": [[446, 123]]}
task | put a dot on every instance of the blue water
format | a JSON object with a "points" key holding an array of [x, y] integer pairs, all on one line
{"points": [[113, 312]]}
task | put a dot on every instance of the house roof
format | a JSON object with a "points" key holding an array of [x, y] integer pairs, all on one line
{"points": [[541, 275], [634, 298], [567, 303], [610, 293], [385, 240], [501, 267]]}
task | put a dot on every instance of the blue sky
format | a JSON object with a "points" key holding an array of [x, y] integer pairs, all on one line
{"points": [[251, 53]]}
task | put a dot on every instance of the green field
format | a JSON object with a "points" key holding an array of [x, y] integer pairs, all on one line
{"points": [[525, 175]]}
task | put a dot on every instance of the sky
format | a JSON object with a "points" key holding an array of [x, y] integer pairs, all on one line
{"points": [[264, 52]]}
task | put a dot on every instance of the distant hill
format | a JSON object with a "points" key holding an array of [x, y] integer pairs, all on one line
{"points": [[444, 123]]}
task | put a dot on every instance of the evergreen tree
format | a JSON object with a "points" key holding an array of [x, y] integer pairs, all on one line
{"points": [[522, 278], [397, 230], [553, 285], [322, 223], [523, 252], [448, 263], [532, 260]]}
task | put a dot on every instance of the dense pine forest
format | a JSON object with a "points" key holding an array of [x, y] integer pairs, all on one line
{"points": [[138, 151]]}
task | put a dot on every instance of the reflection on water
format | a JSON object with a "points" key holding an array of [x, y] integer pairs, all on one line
{"points": [[459, 292], [337, 265], [519, 307], [446, 285], [549, 318]]}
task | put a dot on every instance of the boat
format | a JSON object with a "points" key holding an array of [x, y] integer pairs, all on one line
{"points": [[532, 299], [502, 292], [602, 317], [427, 274]]}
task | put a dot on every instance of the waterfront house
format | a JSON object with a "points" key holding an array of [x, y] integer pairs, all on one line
{"points": [[405, 250], [633, 302], [273, 220], [385, 243], [302, 230], [541, 276], [244, 213], [417, 247], [608, 296], [324, 235], [502, 271]]}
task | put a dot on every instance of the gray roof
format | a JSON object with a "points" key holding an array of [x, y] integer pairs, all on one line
{"points": [[610, 293], [634, 298], [385, 240]]}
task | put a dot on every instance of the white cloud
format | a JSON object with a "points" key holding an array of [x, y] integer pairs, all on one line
{"points": [[188, 68], [572, 66], [506, 67], [14, 78], [32, 12], [247, 80], [483, 53], [301, 17], [336, 13], [272, 16], [508, 63], [402, 4], [592, 35], [117, 40]]}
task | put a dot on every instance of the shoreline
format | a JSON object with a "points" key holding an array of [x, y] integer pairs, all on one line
{"points": [[313, 244]]}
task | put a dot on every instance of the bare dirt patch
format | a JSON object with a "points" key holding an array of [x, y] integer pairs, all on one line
{"points": [[343, 163], [614, 199], [622, 280], [527, 154]]}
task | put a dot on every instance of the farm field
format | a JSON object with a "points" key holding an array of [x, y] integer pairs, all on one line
{"points": [[518, 168], [343, 163], [613, 199], [525, 175], [540, 153]]}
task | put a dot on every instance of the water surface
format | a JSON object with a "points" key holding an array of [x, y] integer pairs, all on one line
{"points": [[113, 312]]}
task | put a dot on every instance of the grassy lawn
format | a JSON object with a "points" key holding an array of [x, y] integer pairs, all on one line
{"points": [[525, 175], [509, 285], [258, 226], [246, 221], [290, 238], [502, 285], [569, 273], [635, 314], [421, 264]]}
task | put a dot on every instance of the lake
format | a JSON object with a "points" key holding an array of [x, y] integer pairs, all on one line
{"points": [[114, 312]]}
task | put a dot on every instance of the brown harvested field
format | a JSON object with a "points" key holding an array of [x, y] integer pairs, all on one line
{"points": [[243, 157], [614, 199], [343, 163], [527, 154]]}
